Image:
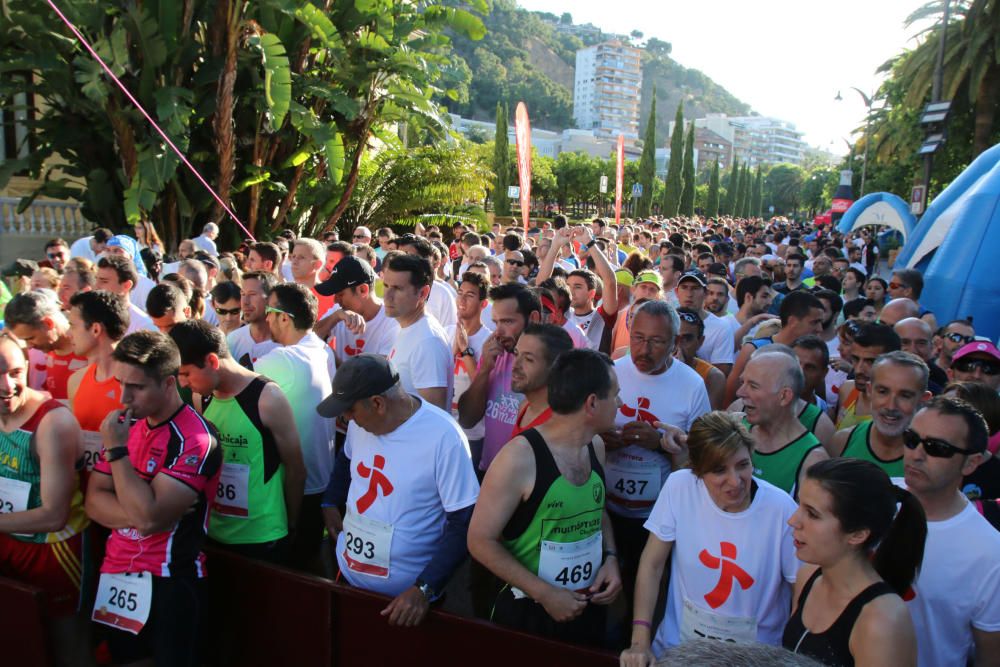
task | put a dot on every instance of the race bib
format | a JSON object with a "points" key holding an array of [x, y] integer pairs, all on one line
{"points": [[697, 623], [231, 498], [633, 483], [571, 565], [92, 445], [367, 545], [13, 495], [123, 601]]}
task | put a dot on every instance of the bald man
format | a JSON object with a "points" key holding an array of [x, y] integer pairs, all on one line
{"points": [[897, 310], [917, 338], [784, 449]]}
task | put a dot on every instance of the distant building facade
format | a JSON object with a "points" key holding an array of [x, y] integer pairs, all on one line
{"points": [[754, 139], [607, 89]]}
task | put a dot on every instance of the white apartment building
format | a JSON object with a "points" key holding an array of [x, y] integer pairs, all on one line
{"points": [[757, 139], [608, 89]]}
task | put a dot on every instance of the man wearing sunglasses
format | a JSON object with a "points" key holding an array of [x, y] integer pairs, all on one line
{"points": [[950, 338], [955, 604], [909, 284], [978, 361]]}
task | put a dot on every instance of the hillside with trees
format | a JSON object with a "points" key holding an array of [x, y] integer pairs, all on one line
{"points": [[531, 56]]}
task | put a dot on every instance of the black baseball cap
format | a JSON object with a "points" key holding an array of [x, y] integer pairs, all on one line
{"points": [[359, 377], [348, 272], [694, 274], [20, 267]]}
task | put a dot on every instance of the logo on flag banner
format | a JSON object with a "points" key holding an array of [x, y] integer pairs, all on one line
{"points": [[522, 136], [619, 178]]}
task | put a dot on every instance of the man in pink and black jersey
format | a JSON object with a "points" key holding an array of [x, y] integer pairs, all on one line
{"points": [[153, 488]]}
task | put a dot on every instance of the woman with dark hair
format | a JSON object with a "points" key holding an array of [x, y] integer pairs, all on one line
{"points": [[862, 556], [876, 289]]}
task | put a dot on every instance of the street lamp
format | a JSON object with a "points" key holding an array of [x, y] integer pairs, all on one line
{"points": [[868, 120]]}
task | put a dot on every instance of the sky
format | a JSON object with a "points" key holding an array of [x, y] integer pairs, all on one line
{"points": [[785, 58]]}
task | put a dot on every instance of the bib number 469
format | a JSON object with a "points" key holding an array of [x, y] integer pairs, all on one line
{"points": [[571, 576]]}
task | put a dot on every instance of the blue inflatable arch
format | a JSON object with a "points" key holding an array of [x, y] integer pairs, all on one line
{"points": [[879, 208]]}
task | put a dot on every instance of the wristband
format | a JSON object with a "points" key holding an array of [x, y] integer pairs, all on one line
{"points": [[645, 624], [114, 453], [609, 552]]}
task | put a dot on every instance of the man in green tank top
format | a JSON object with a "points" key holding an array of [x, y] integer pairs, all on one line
{"points": [[541, 524], [783, 448], [263, 475], [898, 388]]}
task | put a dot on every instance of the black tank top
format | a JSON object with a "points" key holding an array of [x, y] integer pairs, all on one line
{"points": [[830, 647], [546, 472]]}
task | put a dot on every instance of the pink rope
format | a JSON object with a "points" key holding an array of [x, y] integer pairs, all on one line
{"points": [[152, 122]]}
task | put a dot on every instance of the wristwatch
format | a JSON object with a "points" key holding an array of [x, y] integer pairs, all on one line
{"points": [[591, 244], [467, 352], [114, 453], [425, 589]]}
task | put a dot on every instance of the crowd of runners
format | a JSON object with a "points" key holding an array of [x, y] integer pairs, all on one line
{"points": [[636, 437]]}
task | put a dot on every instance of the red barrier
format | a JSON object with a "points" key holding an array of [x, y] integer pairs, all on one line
{"points": [[265, 615], [22, 630]]}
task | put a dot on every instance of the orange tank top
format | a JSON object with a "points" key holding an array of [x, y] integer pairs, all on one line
{"points": [[58, 368], [702, 368], [94, 400]]}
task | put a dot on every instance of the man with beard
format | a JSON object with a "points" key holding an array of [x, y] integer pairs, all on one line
{"points": [[898, 388], [870, 341], [537, 350], [690, 338], [491, 395], [950, 338], [655, 389], [253, 340], [793, 273]]}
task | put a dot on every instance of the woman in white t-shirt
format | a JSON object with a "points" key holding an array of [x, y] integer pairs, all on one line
{"points": [[733, 557]]}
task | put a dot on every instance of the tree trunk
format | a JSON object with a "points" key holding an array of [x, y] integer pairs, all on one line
{"points": [[985, 110], [290, 197], [352, 178], [225, 137]]}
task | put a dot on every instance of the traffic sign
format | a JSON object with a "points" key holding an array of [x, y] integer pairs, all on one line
{"points": [[513, 191], [636, 190], [604, 184], [917, 200]]}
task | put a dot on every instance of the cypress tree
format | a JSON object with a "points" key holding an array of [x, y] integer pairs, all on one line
{"points": [[687, 194], [712, 205], [647, 163], [742, 196], [729, 208], [501, 164], [675, 183], [758, 194]]}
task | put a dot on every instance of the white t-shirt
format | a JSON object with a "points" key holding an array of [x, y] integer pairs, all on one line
{"points": [[422, 355], [731, 573], [141, 291], [486, 317], [957, 589], [441, 304], [718, 347], [734, 325], [81, 248], [245, 349], [404, 482], [463, 381], [677, 396], [576, 333], [304, 372], [592, 324], [378, 338], [206, 244], [138, 320]]}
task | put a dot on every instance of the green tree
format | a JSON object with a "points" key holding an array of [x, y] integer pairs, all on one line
{"points": [[744, 193], [501, 164], [729, 205], [712, 203], [315, 86], [647, 164], [687, 194], [783, 188], [757, 194], [674, 182]]}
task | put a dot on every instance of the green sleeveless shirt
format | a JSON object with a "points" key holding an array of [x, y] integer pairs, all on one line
{"points": [[859, 447], [782, 467], [809, 416], [558, 515], [249, 506]]}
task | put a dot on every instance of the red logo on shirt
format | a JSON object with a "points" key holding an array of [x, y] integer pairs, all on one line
{"points": [[640, 413], [354, 351], [726, 562], [376, 480]]}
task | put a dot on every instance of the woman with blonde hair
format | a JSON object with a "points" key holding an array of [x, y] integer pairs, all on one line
{"points": [[733, 559]]}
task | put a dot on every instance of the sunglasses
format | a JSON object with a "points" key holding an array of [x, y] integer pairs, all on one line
{"points": [[970, 365], [690, 318], [895, 285], [515, 262], [360, 236], [956, 337], [54, 255], [272, 309], [235, 311], [933, 446]]}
